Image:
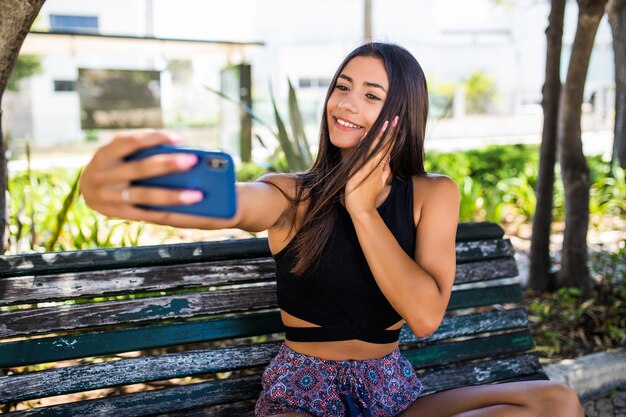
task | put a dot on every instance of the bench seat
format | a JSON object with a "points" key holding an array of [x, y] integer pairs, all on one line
{"points": [[196, 324]]}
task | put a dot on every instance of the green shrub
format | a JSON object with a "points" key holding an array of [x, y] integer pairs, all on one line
{"points": [[249, 172], [497, 184], [47, 214]]}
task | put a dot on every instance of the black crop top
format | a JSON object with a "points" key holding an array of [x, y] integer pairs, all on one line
{"points": [[341, 295]]}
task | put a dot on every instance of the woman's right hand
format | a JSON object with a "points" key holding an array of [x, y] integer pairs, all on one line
{"points": [[106, 180]]}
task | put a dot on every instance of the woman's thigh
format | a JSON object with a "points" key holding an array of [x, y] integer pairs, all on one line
{"points": [[533, 398]]}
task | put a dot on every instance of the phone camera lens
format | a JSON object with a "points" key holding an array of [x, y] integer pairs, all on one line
{"points": [[217, 163]]}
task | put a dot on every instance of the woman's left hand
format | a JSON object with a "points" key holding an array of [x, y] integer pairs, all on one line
{"points": [[366, 184]]}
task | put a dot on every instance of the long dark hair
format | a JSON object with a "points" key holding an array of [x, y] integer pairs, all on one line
{"points": [[324, 183]]}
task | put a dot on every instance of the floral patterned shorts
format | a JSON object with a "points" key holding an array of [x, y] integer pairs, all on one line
{"points": [[316, 387]]}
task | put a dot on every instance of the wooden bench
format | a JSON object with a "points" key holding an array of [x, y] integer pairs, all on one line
{"points": [[204, 317]]}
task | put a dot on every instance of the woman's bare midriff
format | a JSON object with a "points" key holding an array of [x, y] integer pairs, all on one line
{"points": [[337, 351]]}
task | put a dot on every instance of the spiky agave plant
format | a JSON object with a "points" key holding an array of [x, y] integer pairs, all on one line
{"points": [[295, 146]]}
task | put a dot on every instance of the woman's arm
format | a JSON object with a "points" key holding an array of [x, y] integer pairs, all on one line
{"points": [[418, 288], [104, 179]]}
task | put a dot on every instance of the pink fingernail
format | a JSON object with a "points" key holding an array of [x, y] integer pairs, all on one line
{"points": [[190, 196], [175, 139], [186, 161], [385, 126], [395, 121]]}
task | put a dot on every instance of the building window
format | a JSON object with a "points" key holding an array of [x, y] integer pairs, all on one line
{"points": [[64, 85], [62, 23]]}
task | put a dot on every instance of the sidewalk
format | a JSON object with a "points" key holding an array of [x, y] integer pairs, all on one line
{"points": [[599, 380], [611, 405]]}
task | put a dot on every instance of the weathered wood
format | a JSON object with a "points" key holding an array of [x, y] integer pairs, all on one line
{"points": [[539, 376], [156, 402], [482, 250], [478, 231], [465, 350], [49, 319], [479, 373], [131, 257], [130, 371], [239, 409], [486, 270], [85, 284], [182, 253], [470, 325], [479, 297], [52, 349]]}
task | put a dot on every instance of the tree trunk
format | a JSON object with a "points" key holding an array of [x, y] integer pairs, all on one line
{"points": [[616, 11], [574, 271], [541, 276], [16, 18]]}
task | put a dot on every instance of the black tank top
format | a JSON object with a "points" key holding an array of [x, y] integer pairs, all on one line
{"points": [[341, 295]]}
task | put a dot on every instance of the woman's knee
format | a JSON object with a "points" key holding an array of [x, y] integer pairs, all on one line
{"points": [[558, 399]]}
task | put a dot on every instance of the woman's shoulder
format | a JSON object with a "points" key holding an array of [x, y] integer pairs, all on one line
{"points": [[434, 193], [286, 182], [431, 184]]}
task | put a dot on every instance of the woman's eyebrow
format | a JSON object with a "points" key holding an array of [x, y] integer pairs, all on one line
{"points": [[367, 83]]}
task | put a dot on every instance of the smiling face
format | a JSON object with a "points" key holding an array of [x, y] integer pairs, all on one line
{"points": [[356, 101]]}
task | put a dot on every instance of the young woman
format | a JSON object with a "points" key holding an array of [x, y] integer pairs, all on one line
{"points": [[363, 242]]}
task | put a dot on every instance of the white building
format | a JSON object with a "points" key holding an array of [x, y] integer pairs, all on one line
{"points": [[71, 35], [303, 40]]}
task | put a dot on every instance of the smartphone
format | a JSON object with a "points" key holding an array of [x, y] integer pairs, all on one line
{"points": [[214, 175]]}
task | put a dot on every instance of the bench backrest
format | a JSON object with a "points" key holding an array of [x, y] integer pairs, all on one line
{"points": [[196, 323]]}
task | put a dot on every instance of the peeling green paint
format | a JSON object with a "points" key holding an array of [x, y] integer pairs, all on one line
{"points": [[173, 308]]}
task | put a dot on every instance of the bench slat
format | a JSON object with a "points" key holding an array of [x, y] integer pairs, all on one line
{"points": [[66, 380], [239, 409], [131, 257], [465, 350], [478, 297], [177, 365], [43, 350], [470, 325], [487, 260], [155, 402], [480, 373], [48, 319], [478, 250], [539, 376], [30, 289], [478, 231], [52, 349], [137, 256], [486, 270]]}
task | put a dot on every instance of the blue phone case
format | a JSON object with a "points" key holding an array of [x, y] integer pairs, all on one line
{"points": [[214, 175]]}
